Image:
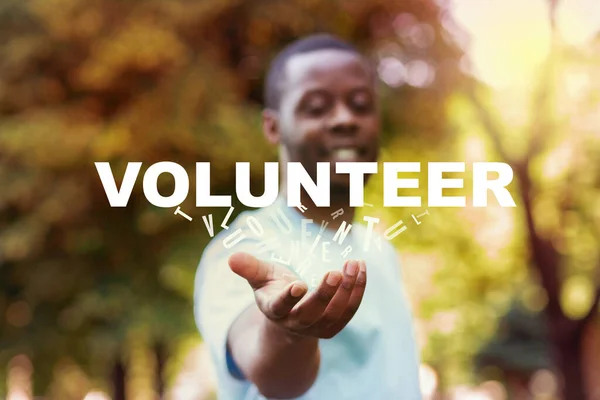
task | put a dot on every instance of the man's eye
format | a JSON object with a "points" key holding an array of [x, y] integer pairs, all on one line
{"points": [[362, 107], [362, 103], [315, 110], [316, 107]]}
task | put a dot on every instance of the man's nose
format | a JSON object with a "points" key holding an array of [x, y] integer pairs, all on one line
{"points": [[343, 120]]}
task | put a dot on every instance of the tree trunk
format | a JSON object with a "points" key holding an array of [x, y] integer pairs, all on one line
{"points": [[573, 385], [568, 359], [161, 359], [118, 380]]}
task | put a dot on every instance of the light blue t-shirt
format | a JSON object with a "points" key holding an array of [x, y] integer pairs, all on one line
{"points": [[373, 357]]}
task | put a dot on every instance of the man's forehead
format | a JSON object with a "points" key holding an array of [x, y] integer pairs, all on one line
{"points": [[305, 67]]}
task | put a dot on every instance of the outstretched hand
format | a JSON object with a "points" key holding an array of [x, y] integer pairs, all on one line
{"points": [[282, 297]]}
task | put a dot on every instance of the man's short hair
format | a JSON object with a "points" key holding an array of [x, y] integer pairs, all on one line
{"points": [[276, 73]]}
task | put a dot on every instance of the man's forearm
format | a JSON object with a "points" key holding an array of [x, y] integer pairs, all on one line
{"points": [[280, 364]]}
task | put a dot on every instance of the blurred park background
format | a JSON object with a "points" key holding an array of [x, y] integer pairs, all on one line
{"points": [[96, 302]]}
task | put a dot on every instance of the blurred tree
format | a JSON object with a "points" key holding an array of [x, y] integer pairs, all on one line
{"points": [[519, 349], [555, 160], [107, 80]]}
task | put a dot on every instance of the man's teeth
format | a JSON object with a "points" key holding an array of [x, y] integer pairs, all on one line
{"points": [[345, 154]]}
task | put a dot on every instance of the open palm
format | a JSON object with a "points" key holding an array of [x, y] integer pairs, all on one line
{"points": [[283, 298]]}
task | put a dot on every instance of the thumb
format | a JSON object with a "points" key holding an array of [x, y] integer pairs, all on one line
{"points": [[255, 271]]}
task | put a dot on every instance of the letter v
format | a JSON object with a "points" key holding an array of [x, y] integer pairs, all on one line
{"points": [[118, 197], [209, 224]]}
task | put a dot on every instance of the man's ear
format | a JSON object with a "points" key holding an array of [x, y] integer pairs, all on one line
{"points": [[271, 125]]}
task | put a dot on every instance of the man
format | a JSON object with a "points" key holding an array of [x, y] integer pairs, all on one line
{"points": [[284, 306]]}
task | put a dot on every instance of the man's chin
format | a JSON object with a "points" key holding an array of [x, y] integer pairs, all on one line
{"points": [[340, 188]]}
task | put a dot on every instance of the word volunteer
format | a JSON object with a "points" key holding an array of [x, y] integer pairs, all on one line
{"points": [[298, 177]]}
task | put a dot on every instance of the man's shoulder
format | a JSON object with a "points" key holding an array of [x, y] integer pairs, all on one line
{"points": [[360, 232]]}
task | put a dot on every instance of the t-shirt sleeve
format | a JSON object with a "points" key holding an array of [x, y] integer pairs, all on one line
{"points": [[220, 296], [395, 261]]}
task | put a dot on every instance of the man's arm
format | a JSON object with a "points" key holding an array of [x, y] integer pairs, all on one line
{"points": [[275, 341], [279, 364]]}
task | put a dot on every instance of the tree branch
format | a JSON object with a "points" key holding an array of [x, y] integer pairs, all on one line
{"points": [[493, 127], [594, 309], [544, 254], [541, 105]]}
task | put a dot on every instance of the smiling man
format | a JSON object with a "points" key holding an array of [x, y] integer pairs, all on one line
{"points": [[297, 324]]}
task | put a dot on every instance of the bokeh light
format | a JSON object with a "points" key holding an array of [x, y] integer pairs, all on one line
{"points": [[543, 384], [429, 381], [96, 395]]}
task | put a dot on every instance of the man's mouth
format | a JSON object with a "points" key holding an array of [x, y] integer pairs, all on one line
{"points": [[346, 154]]}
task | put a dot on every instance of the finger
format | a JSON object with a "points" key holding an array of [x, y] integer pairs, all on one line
{"points": [[339, 303], [255, 271], [282, 303], [311, 308], [353, 303]]}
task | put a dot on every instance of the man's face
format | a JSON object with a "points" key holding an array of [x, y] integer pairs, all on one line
{"points": [[328, 112]]}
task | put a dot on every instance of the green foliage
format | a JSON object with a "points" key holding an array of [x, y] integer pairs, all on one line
{"points": [[106, 80]]}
